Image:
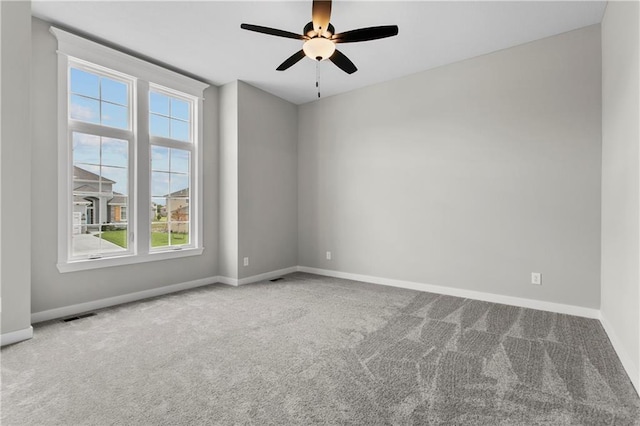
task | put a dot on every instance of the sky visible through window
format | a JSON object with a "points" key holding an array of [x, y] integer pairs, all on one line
{"points": [[170, 171], [170, 117], [99, 100]]}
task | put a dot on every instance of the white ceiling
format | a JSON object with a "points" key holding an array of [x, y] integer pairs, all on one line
{"points": [[204, 38]]}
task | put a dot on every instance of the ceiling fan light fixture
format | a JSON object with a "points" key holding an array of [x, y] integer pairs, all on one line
{"points": [[319, 48], [320, 38]]}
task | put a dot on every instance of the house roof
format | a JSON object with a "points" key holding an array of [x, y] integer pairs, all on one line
{"points": [[85, 188], [78, 199], [82, 174], [118, 199], [181, 193]]}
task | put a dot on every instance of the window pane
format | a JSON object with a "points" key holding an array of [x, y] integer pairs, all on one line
{"points": [[114, 238], [115, 116], [114, 91], [87, 174], [85, 83], [178, 218], [180, 160], [159, 158], [84, 109], [159, 126], [179, 233], [179, 109], [170, 117], [99, 100], [86, 148], [114, 179], [159, 234], [100, 200], [159, 222], [179, 185], [180, 130], [159, 103], [90, 239], [115, 152], [159, 209], [159, 184], [178, 209]]}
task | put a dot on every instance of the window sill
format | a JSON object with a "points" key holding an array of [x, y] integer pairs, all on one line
{"points": [[107, 262]]}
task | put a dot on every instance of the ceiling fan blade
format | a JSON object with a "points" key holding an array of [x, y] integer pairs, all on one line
{"points": [[321, 15], [272, 31], [291, 60], [366, 34], [343, 62]]}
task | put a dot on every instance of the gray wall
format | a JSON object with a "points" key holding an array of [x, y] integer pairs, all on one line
{"points": [[621, 180], [50, 289], [267, 182], [228, 172], [15, 165], [258, 182], [472, 175]]}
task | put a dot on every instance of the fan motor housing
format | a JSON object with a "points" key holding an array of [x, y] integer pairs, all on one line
{"points": [[310, 32]]}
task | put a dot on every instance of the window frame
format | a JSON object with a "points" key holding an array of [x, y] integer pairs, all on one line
{"points": [[100, 130], [72, 48], [190, 146]]}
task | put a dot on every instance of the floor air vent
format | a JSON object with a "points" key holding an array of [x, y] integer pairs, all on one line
{"points": [[276, 279], [77, 317]]}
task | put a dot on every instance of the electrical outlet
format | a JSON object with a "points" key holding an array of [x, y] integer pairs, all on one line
{"points": [[246, 261], [328, 255], [536, 278]]}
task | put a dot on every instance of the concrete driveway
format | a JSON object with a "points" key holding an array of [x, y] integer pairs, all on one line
{"points": [[91, 244]]}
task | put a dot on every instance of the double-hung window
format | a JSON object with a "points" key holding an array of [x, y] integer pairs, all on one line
{"points": [[171, 141], [100, 137], [130, 168]]}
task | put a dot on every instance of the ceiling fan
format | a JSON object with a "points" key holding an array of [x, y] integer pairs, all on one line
{"points": [[320, 38]]}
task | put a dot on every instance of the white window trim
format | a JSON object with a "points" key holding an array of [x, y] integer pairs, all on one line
{"points": [[78, 48], [190, 146], [100, 130]]}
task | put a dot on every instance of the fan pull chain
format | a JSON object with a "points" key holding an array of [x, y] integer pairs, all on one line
{"points": [[318, 77]]}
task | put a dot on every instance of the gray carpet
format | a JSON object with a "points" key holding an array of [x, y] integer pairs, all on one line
{"points": [[311, 349]]}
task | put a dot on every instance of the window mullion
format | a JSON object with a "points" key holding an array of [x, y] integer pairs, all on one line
{"points": [[143, 172]]}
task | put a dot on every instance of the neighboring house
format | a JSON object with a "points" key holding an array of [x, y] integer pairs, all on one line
{"points": [[95, 204], [177, 207], [174, 214]]}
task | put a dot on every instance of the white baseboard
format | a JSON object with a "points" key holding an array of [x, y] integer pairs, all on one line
{"points": [[16, 336], [227, 280], [255, 278], [66, 311], [627, 361], [458, 292]]}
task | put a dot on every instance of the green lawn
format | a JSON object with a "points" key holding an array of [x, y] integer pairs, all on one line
{"points": [[158, 239], [116, 237]]}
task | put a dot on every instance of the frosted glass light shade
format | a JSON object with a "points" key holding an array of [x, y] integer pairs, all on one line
{"points": [[319, 47]]}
